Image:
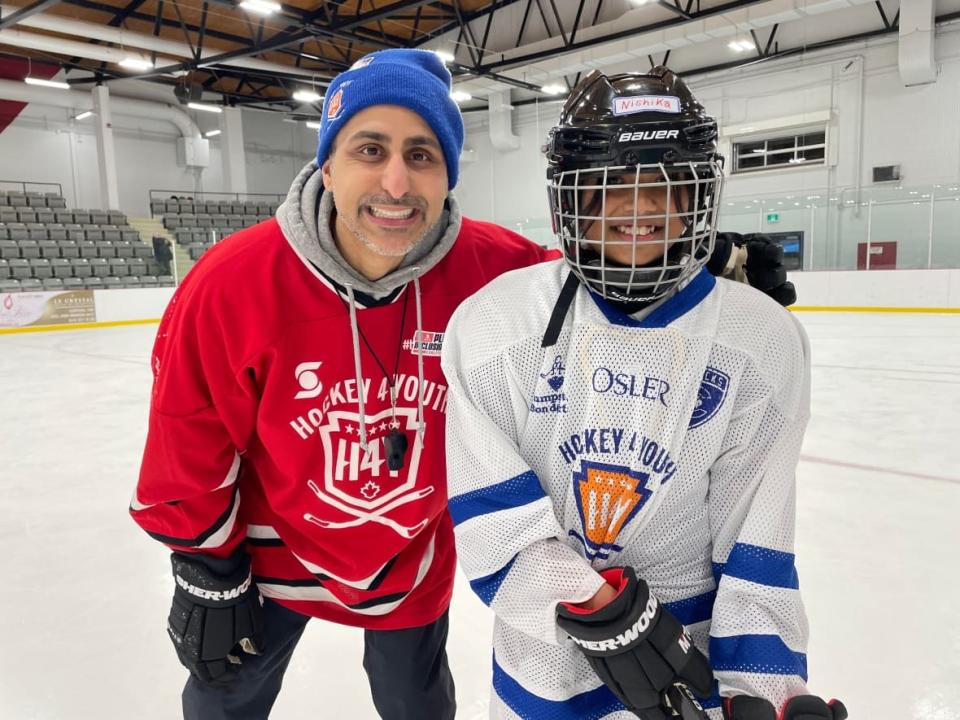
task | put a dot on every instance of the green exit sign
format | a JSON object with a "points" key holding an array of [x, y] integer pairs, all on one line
{"points": [[773, 217]]}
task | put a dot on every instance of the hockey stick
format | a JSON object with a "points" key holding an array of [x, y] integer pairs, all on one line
{"points": [[363, 517]]}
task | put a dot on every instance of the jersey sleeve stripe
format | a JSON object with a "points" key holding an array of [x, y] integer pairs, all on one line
{"points": [[693, 610], [519, 490], [486, 587], [760, 565], [766, 654], [596, 703], [213, 536]]}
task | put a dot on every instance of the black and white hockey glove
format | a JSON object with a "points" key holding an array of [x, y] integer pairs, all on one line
{"points": [[640, 651], [753, 258], [216, 614], [801, 707]]}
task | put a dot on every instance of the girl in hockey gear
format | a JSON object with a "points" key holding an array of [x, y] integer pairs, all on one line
{"points": [[621, 452]]}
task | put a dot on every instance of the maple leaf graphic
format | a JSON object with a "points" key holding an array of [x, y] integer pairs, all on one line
{"points": [[370, 490]]}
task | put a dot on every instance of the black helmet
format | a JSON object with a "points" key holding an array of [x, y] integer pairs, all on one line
{"points": [[645, 133]]}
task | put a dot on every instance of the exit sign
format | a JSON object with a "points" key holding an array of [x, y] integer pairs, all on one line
{"points": [[773, 217]]}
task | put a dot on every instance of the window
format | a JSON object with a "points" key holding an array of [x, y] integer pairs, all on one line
{"points": [[802, 147]]}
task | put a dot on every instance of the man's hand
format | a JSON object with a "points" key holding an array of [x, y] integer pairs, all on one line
{"points": [[755, 259], [215, 617]]}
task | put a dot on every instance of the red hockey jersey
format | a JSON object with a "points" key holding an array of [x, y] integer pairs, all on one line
{"points": [[254, 425]]}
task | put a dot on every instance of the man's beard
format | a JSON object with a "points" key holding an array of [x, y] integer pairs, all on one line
{"points": [[353, 225]]}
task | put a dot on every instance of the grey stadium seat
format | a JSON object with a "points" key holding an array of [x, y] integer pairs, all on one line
{"points": [[62, 267], [52, 284], [148, 281], [19, 268], [9, 286], [116, 218], [93, 283], [26, 216], [88, 249], [72, 283], [131, 282], [69, 249], [29, 249], [30, 285], [81, 217], [46, 217], [106, 249], [40, 268], [56, 202], [124, 249], [99, 217], [165, 280], [81, 268], [142, 250], [64, 216], [75, 232], [49, 249], [95, 234], [172, 222], [119, 267], [36, 200], [37, 232], [110, 283], [17, 199], [196, 250], [57, 232], [158, 207], [17, 231], [100, 267], [9, 249], [130, 236], [111, 233], [4, 269], [138, 266]]}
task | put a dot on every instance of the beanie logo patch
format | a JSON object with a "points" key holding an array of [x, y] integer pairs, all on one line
{"points": [[335, 105], [362, 62]]}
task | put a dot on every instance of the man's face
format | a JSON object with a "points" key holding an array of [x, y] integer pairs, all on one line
{"points": [[635, 220], [389, 182]]}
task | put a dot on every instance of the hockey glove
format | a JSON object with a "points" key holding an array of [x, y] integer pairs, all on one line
{"points": [[753, 258], [639, 650], [214, 616], [801, 707]]}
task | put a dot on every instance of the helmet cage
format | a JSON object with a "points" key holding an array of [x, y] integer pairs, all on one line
{"points": [[693, 189]]}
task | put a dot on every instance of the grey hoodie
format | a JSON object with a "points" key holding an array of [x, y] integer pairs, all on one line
{"points": [[305, 219]]}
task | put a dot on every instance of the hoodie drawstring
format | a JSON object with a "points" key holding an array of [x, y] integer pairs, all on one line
{"points": [[417, 348]]}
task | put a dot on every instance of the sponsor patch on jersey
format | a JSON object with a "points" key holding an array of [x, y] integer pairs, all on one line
{"points": [[310, 385], [425, 343], [553, 400], [607, 497], [710, 396], [646, 103], [336, 104]]}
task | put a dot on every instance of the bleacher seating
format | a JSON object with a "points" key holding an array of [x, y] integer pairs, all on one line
{"points": [[46, 246], [197, 225]]}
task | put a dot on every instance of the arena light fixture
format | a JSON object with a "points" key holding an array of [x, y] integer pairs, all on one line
{"points": [[261, 7], [307, 96], [84, 115], [741, 45], [46, 83], [461, 96], [313, 124], [212, 133], [132, 62], [553, 89], [445, 55], [205, 107]]}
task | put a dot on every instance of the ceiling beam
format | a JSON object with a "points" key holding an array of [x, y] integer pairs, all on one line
{"points": [[25, 12]]}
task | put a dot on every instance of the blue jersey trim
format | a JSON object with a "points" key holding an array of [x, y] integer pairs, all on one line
{"points": [[760, 565], [486, 587], [519, 490], [591, 705], [674, 307], [693, 610], [766, 654]]}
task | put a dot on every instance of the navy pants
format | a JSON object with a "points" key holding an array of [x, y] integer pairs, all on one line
{"points": [[407, 669]]}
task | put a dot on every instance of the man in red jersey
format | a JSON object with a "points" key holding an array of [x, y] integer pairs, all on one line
{"points": [[295, 456], [296, 439]]}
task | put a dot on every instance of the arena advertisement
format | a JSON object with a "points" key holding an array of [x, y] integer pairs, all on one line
{"points": [[47, 308]]}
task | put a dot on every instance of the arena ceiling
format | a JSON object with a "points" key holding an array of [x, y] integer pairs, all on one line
{"points": [[241, 54]]}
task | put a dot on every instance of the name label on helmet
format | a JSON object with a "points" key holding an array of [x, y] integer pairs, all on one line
{"points": [[646, 103], [649, 135]]}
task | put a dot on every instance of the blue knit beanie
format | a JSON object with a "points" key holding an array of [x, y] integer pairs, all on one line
{"points": [[414, 79]]}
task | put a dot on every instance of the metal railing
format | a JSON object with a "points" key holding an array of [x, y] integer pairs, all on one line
{"points": [[25, 187]]}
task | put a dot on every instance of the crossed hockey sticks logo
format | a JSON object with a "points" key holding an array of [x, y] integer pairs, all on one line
{"points": [[362, 516]]}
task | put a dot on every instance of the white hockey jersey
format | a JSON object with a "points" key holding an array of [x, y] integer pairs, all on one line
{"points": [[668, 444]]}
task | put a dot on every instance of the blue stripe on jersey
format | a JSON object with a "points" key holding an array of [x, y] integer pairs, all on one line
{"points": [[693, 610], [519, 490], [674, 307], [591, 705], [486, 587], [756, 654], [760, 565]]}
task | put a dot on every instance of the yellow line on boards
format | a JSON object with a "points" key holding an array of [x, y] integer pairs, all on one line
{"points": [[76, 326], [868, 309]]}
